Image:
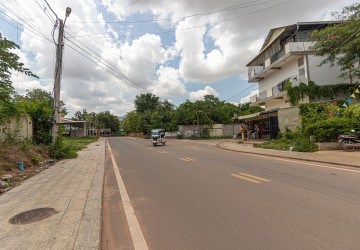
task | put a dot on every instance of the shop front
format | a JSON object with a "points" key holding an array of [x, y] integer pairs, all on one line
{"points": [[262, 125]]}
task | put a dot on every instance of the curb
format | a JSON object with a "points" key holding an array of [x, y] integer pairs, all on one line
{"points": [[285, 157]]}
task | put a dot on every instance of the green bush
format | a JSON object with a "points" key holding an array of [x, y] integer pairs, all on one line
{"points": [[327, 130], [297, 140], [352, 112], [35, 158], [59, 150], [179, 136], [305, 145]]}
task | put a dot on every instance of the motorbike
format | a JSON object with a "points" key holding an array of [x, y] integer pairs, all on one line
{"points": [[349, 142]]}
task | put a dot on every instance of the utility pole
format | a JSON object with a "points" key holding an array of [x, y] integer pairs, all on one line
{"points": [[57, 81]]}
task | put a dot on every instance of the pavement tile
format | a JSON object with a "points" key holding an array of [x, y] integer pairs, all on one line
{"points": [[69, 186]]}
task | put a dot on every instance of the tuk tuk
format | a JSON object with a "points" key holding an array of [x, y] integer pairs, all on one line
{"points": [[158, 136]]}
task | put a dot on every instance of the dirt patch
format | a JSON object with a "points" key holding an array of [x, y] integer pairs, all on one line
{"points": [[35, 160]]}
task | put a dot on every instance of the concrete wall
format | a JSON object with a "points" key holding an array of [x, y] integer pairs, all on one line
{"points": [[324, 74], [21, 127], [189, 130], [217, 130], [288, 70], [289, 118]]}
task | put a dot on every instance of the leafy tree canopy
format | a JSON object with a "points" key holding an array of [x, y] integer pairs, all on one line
{"points": [[9, 61], [339, 43]]}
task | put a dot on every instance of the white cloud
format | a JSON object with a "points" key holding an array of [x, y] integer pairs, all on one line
{"points": [[200, 94], [168, 83], [167, 63], [246, 99]]}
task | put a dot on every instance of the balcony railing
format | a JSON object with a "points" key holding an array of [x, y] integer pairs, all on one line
{"points": [[277, 55], [298, 47], [290, 47], [268, 94], [254, 70]]}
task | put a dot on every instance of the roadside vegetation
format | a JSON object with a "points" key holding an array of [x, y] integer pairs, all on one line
{"points": [[151, 112]]}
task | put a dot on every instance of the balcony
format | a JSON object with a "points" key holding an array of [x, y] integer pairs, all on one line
{"points": [[296, 81], [278, 60], [276, 92], [254, 70]]}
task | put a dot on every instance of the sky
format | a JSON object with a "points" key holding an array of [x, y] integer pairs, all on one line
{"points": [[115, 50]]}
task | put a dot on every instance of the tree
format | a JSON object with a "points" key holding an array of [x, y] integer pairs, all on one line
{"points": [[247, 109], [339, 43], [38, 104], [131, 123], [9, 61], [107, 120], [146, 102]]}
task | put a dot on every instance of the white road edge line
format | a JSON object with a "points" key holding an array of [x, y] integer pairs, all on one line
{"points": [[305, 163], [134, 227]]}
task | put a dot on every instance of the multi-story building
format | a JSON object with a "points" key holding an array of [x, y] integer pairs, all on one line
{"points": [[286, 55]]}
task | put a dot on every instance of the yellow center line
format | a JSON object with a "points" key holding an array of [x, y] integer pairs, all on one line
{"points": [[245, 178], [255, 177], [186, 159]]}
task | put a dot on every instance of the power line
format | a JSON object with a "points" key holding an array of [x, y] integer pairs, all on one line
{"points": [[24, 19], [23, 30], [336, 48], [51, 9], [44, 10], [102, 60], [31, 29], [124, 7], [127, 78], [234, 7], [240, 93], [202, 25], [105, 68]]}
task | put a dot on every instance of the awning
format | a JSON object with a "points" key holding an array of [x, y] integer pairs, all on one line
{"points": [[259, 115], [249, 116]]}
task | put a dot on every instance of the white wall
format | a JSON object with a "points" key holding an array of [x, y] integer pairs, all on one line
{"points": [[289, 70], [324, 74], [277, 104]]}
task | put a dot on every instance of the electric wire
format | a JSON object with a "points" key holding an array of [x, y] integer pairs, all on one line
{"points": [[24, 31], [234, 7], [317, 61], [124, 7], [242, 92], [202, 25], [51, 9], [105, 68], [21, 18], [128, 79], [44, 10], [102, 60], [29, 28]]}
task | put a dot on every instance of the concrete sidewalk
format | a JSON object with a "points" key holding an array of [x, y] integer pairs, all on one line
{"points": [[338, 157], [74, 189]]}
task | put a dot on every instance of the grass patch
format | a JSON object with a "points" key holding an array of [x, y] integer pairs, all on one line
{"points": [[66, 148], [78, 144], [297, 141], [279, 144]]}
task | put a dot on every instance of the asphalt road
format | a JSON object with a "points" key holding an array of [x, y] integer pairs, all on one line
{"points": [[196, 196]]}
